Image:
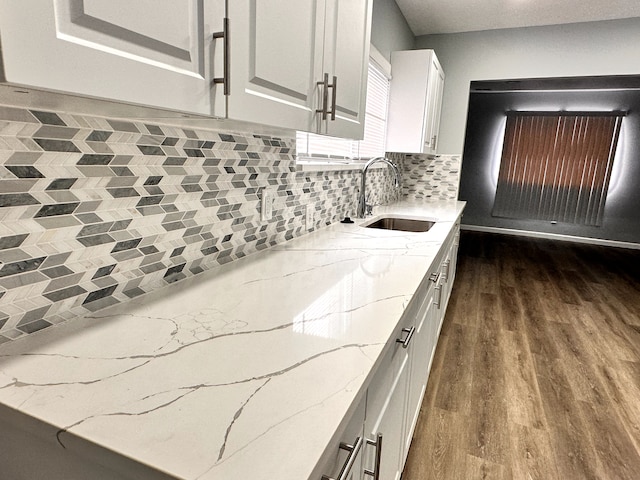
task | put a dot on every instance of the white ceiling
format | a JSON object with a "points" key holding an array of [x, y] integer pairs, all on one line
{"points": [[452, 16]]}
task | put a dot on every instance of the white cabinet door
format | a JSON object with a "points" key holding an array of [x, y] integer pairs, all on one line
{"points": [[151, 53], [281, 52], [346, 57], [386, 412], [276, 59], [434, 106], [421, 355], [415, 102]]}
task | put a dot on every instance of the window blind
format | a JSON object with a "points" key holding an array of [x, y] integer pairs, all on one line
{"points": [[318, 148], [556, 166]]}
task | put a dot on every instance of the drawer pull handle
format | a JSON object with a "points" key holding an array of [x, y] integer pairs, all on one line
{"points": [[351, 459], [407, 339], [439, 296], [375, 473]]}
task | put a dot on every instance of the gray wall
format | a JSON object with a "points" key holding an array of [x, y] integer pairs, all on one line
{"points": [[584, 49], [390, 31]]}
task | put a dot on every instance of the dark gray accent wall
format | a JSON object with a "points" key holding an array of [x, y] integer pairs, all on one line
{"points": [[483, 147]]}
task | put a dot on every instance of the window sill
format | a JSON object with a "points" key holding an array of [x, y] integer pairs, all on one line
{"points": [[333, 166]]}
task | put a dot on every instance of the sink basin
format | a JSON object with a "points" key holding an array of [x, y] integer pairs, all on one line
{"points": [[403, 224]]}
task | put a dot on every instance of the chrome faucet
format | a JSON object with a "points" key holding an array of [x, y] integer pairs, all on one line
{"points": [[364, 209]]}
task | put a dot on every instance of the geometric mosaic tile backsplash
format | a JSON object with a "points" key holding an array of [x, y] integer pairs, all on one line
{"points": [[431, 177], [95, 211]]}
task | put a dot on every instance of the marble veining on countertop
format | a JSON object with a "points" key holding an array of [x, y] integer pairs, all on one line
{"points": [[243, 371]]}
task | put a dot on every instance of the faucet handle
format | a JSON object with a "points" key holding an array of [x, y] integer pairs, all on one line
{"points": [[368, 209]]}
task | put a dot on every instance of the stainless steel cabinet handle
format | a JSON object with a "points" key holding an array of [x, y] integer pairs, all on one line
{"points": [[351, 458], [438, 296], [407, 339], [225, 80], [325, 96], [375, 473], [447, 265], [435, 277], [334, 89]]}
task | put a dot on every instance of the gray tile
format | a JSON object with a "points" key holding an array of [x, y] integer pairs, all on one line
{"points": [[57, 209], [121, 126], [34, 326], [55, 260], [17, 199], [64, 282], [56, 272], [99, 294], [21, 267], [62, 184], [12, 241], [96, 240], [98, 136], [23, 158], [24, 279], [87, 218], [62, 196], [59, 295], [95, 159], [55, 132], [95, 229], [16, 115], [17, 186], [32, 315], [56, 145], [48, 118]]}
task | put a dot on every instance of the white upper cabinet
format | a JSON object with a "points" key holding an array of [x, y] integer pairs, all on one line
{"points": [[346, 57], [154, 54], [276, 48], [281, 53], [174, 54], [415, 102]]}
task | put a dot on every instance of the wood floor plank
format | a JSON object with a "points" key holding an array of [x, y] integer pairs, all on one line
{"points": [[438, 434], [480, 468], [571, 445], [531, 452], [487, 438], [524, 406], [615, 450], [537, 372], [454, 394]]}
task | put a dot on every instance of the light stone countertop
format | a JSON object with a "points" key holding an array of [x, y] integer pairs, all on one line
{"points": [[244, 371]]}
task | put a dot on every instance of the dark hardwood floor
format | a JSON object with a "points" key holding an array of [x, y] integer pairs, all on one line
{"points": [[537, 370]]}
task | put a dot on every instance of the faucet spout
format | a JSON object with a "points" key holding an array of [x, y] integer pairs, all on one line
{"points": [[363, 208]]}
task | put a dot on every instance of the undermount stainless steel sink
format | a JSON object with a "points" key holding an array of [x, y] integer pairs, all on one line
{"points": [[403, 224]]}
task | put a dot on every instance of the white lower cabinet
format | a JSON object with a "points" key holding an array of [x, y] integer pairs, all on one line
{"points": [[421, 353], [386, 398], [395, 394]]}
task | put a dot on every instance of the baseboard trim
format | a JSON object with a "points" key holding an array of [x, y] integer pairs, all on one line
{"points": [[552, 236]]}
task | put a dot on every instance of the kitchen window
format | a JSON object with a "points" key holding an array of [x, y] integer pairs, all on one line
{"points": [[556, 166], [331, 152]]}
